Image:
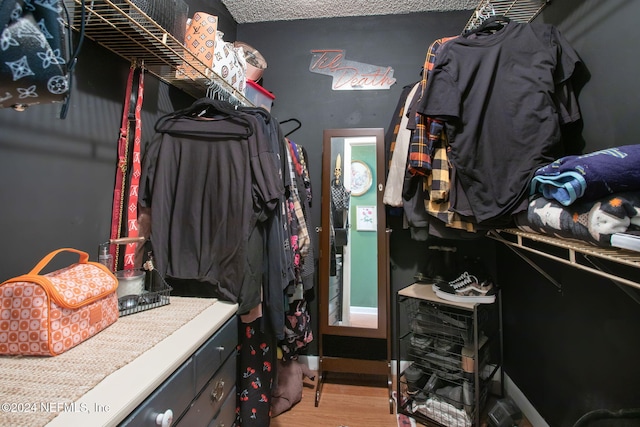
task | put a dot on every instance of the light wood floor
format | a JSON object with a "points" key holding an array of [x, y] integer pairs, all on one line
{"points": [[345, 401]]}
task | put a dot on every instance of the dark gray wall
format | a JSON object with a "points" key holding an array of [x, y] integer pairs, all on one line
{"points": [[57, 176], [400, 42], [575, 351], [569, 352]]}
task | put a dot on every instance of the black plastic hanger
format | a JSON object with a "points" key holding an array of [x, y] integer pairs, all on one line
{"points": [[489, 25], [294, 129], [259, 111], [202, 108]]}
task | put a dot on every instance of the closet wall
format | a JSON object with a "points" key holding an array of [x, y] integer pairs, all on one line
{"points": [[574, 351], [57, 176], [400, 42], [569, 351]]}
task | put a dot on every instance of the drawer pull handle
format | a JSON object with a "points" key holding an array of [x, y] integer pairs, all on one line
{"points": [[165, 419], [218, 392], [220, 348]]}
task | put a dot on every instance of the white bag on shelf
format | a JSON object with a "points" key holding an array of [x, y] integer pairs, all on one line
{"points": [[229, 63]]}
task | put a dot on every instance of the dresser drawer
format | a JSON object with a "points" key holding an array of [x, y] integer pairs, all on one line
{"points": [[220, 388], [213, 353], [176, 393], [227, 415], [181, 388]]}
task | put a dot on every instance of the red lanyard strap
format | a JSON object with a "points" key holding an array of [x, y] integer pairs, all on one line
{"points": [[132, 209], [122, 169]]}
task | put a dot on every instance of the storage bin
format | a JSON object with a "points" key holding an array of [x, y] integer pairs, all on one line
{"points": [[259, 96], [156, 293]]}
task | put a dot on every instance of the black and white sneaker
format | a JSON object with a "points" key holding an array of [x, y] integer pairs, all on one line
{"points": [[437, 283], [467, 288]]}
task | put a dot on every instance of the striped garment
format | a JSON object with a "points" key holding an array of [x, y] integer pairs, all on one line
{"points": [[422, 142]]}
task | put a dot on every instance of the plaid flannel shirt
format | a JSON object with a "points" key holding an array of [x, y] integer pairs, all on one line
{"points": [[437, 185], [428, 156], [423, 139]]}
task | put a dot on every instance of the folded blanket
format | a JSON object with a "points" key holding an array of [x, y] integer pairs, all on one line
{"points": [[593, 222], [590, 176]]}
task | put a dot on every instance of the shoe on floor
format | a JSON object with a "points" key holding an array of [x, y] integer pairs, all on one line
{"points": [[467, 288]]}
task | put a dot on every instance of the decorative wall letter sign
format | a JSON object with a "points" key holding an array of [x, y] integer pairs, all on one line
{"points": [[350, 75]]}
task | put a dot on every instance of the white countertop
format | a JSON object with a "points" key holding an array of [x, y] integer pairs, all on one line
{"points": [[102, 380], [123, 390]]}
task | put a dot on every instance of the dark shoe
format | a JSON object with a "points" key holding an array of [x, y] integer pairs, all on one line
{"points": [[441, 316], [441, 264], [415, 378], [421, 342]]}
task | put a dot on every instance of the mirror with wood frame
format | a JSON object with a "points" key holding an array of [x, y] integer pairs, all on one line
{"points": [[354, 295]]}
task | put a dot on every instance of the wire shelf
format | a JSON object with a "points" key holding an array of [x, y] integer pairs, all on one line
{"points": [[569, 249], [123, 28], [517, 10]]}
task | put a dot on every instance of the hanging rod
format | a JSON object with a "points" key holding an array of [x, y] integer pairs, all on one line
{"points": [[216, 91]]}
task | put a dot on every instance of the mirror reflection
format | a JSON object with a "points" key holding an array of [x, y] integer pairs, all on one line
{"points": [[353, 276]]}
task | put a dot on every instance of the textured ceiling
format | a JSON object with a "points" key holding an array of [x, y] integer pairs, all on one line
{"points": [[245, 11]]}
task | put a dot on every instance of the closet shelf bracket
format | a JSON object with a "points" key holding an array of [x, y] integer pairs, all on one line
{"points": [[630, 292], [574, 253], [496, 236]]}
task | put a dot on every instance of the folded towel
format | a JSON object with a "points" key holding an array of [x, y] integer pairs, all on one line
{"points": [[566, 187], [589, 176], [593, 222]]}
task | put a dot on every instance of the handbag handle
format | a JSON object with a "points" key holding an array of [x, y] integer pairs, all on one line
{"points": [[84, 258]]}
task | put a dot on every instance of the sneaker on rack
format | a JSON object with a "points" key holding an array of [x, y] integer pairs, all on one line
{"points": [[468, 287], [442, 316], [437, 283]]}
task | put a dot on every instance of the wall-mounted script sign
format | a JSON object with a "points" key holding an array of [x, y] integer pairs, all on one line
{"points": [[350, 75]]}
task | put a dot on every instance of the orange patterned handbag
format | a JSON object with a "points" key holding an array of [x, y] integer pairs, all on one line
{"points": [[46, 315]]}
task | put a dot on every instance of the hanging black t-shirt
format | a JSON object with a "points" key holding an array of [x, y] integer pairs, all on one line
{"points": [[206, 194], [503, 96]]}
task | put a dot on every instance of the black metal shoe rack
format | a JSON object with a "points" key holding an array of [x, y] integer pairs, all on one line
{"points": [[450, 357]]}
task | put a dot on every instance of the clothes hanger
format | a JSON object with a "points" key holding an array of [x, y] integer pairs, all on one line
{"points": [[266, 115], [294, 129], [203, 108], [489, 25]]}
